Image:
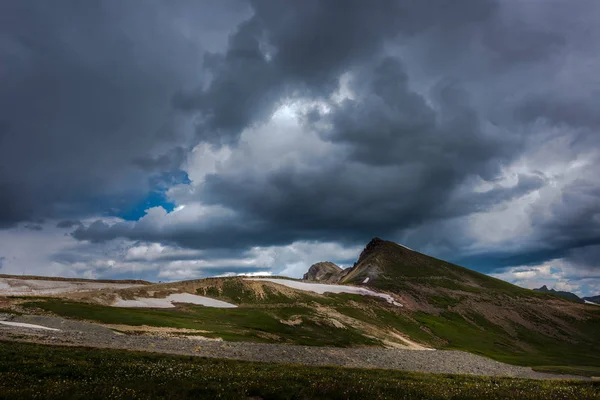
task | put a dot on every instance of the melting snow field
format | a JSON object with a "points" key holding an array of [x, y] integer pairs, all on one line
{"points": [[24, 325], [321, 288], [590, 302], [167, 302], [35, 287]]}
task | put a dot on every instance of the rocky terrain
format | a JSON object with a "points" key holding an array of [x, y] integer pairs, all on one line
{"points": [[325, 271], [75, 333]]}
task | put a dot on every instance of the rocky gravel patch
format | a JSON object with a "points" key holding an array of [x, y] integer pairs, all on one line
{"points": [[77, 333]]}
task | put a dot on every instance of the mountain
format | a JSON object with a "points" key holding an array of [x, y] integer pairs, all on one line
{"points": [[391, 266], [397, 297], [566, 295], [463, 309], [323, 271], [593, 299]]}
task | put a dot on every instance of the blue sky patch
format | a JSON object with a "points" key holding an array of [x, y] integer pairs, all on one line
{"points": [[157, 197]]}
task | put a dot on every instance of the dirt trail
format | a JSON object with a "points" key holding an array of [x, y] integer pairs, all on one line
{"points": [[76, 333]]}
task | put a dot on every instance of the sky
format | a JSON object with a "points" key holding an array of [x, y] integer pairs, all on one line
{"points": [[168, 140]]}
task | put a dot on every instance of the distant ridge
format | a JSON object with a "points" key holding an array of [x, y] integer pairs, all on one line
{"points": [[566, 295], [57, 278], [593, 299]]}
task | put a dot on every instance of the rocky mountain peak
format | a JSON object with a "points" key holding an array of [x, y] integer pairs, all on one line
{"points": [[323, 271], [374, 246]]}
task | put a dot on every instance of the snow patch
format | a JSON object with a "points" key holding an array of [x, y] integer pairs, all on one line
{"points": [[591, 302], [24, 325], [167, 302], [366, 280], [321, 288]]}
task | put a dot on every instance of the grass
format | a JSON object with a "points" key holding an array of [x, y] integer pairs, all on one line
{"points": [[30, 371], [567, 370], [397, 266], [256, 324], [238, 292], [528, 348], [452, 290], [262, 323], [390, 320], [442, 301]]}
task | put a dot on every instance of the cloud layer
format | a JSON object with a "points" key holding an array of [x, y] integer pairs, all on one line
{"points": [[466, 130]]}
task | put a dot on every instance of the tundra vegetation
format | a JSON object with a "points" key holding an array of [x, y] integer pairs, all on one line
{"points": [[30, 371], [438, 305]]}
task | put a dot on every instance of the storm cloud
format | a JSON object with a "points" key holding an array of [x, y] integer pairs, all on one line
{"points": [[85, 99], [463, 129]]}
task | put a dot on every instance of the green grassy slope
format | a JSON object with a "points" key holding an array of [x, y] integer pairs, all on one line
{"points": [[445, 306], [471, 311], [29, 371], [255, 324], [398, 266]]}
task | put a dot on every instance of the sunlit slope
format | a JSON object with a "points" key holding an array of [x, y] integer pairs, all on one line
{"points": [[472, 311], [436, 305]]}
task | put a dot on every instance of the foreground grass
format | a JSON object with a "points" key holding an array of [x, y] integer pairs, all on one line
{"points": [[29, 371]]}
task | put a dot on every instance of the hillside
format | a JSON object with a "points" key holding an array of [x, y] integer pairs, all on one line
{"points": [[593, 299], [463, 309], [391, 297], [84, 280]]}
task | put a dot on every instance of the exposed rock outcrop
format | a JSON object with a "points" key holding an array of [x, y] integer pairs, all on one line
{"points": [[323, 271]]}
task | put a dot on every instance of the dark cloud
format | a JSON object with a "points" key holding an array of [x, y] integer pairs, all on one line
{"points": [[586, 257], [67, 223], [409, 153], [405, 164], [33, 227], [444, 116], [574, 112], [568, 230], [574, 221], [86, 96], [169, 161], [303, 47], [520, 43], [15, 206]]}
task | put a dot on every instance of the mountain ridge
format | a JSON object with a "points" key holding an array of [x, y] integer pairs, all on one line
{"points": [[468, 309], [566, 295], [439, 305], [593, 299]]}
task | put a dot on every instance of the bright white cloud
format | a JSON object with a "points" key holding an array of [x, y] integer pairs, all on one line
{"points": [[59, 254]]}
